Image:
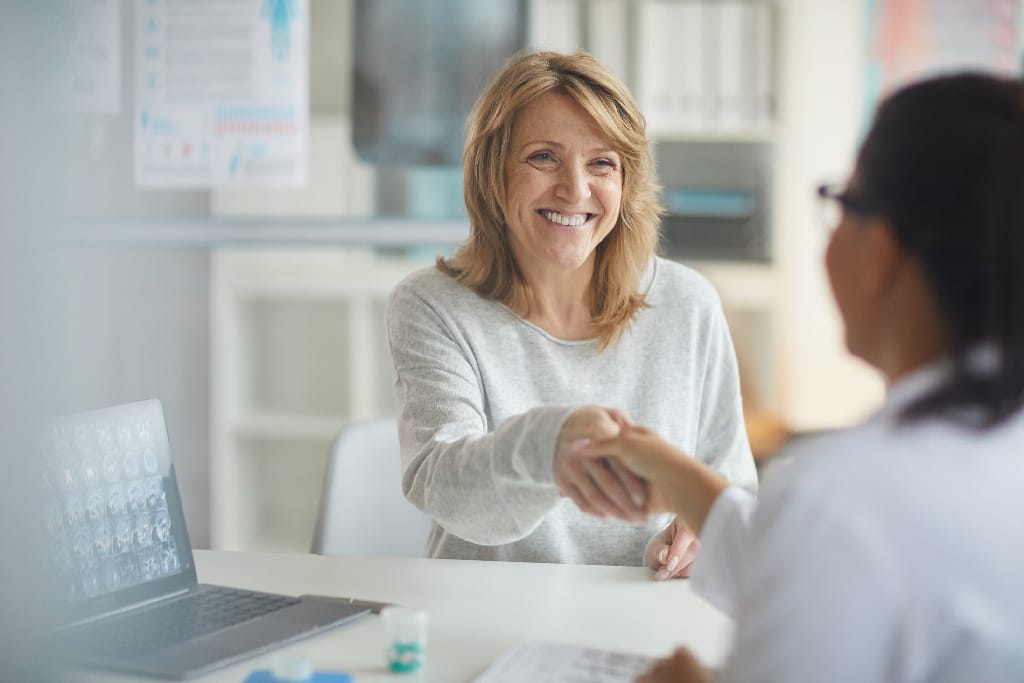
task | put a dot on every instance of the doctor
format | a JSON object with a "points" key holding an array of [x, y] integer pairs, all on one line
{"points": [[892, 551]]}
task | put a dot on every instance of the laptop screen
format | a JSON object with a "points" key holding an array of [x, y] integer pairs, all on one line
{"points": [[115, 527]]}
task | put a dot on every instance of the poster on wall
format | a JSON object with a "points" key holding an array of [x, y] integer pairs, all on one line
{"points": [[912, 39], [92, 70], [221, 93]]}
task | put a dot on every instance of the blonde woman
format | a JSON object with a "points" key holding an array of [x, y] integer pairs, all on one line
{"points": [[555, 303]]}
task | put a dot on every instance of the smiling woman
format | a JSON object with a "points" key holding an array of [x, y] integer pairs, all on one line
{"points": [[555, 303]]}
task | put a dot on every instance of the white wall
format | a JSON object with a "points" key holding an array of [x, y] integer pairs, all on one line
{"points": [[822, 66], [135, 318]]}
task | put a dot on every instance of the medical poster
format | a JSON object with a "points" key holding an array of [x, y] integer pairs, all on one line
{"points": [[919, 38], [221, 93], [93, 67]]}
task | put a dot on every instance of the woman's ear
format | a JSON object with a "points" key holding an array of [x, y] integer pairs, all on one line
{"points": [[884, 257]]}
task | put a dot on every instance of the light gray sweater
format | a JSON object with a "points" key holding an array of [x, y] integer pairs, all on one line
{"points": [[482, 395]]}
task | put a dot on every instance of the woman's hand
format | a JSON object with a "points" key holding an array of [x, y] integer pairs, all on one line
{"points": [[672, 552], [643, 453], [681, 667], [599, 486], [675, 481]]}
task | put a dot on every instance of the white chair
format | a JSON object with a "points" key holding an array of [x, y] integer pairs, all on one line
{"points": [[362, 509]]}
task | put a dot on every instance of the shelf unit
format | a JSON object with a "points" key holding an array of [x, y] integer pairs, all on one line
{"points": [[298, 349]]}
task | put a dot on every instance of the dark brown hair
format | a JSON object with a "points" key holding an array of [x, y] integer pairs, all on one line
{"points": [[944, 162]]}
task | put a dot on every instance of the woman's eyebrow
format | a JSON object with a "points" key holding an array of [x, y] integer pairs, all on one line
{"points": [[546, 143]]}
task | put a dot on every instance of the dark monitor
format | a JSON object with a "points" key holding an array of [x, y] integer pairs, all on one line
{"points": [[419, 67]]}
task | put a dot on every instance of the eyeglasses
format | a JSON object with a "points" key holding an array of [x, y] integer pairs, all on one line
{"points": [[834, 201]]}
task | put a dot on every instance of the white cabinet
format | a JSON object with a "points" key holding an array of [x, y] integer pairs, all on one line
{"points": [[298, 348]]}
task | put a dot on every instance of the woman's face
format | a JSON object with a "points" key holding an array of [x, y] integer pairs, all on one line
{"points": [[563, 186], [842, 276], [850, 264]]}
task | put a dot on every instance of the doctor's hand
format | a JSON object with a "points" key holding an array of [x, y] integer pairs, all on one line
{"points": [[653, 460], [675, 482], [672, 552], [681, 667], [599, 486]]}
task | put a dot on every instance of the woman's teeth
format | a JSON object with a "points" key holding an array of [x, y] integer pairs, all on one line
{"points": [[572, 221]]}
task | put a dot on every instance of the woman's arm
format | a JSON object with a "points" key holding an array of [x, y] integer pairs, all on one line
{"points": [[487, 483], [722, 434]]}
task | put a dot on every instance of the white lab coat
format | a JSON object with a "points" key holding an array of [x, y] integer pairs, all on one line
{"points": [[880, 553]]}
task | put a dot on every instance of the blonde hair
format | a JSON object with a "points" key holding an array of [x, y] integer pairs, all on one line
{"points": [[486, 263]]}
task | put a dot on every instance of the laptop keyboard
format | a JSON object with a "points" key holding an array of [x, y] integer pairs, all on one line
{"points": [[178, 621]]}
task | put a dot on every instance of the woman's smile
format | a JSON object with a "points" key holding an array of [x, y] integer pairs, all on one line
{"points": [[565, 219]]}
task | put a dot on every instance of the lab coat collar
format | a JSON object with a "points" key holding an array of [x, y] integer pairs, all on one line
{"points": [[903, 392]]}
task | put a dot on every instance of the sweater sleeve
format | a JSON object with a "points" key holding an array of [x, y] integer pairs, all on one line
{"points": [[722, 436], [488, 484]]}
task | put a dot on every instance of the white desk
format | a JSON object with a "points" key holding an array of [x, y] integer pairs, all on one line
{"points": [[477, 610]]}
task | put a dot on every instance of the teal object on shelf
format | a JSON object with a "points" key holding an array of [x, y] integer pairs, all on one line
{"points": [[714, 203]]}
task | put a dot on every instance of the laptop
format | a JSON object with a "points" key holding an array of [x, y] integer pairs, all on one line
{"points": [[124, 583]]}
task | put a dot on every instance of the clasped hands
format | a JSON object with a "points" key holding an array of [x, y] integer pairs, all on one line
{"points": [[596, 466]]}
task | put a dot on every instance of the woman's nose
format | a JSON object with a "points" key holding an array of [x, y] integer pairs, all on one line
{"points": [[573, 183]]}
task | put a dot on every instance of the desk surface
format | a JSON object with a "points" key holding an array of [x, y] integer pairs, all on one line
{"points": [[477, 610]]}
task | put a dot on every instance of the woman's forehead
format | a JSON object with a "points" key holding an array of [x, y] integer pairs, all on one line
{"points": [[556, 115]]}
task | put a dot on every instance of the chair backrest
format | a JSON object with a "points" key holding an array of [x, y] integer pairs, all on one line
{"points": [[362, 509]]}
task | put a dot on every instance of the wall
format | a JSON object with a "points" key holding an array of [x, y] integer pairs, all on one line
{"points": [[135, 325], [820, 104], [135, 318]]}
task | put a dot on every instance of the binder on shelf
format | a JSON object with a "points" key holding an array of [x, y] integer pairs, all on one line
{"points": [[686, 50], [558, 27], [655, 72], [705, 65], [732, 85], [763, 55], [606, 28]]}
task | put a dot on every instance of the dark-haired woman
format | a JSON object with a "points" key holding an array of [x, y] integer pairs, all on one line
{"points": [[893, 551]]}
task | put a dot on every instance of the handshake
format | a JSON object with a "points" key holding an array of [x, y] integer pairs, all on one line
{"points": [[611, 467]]}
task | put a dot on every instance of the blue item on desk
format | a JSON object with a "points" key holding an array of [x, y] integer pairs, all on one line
{"points": [[267, 676]]}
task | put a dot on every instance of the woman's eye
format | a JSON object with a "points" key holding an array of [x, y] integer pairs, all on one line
{"points": [[602, 166], [541, 158]]}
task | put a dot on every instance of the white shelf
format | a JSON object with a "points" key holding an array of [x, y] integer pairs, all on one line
{"points": [[298, 350], [298, 231]]}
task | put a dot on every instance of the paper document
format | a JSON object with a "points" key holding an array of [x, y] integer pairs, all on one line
{"points": [[545, 662]]}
